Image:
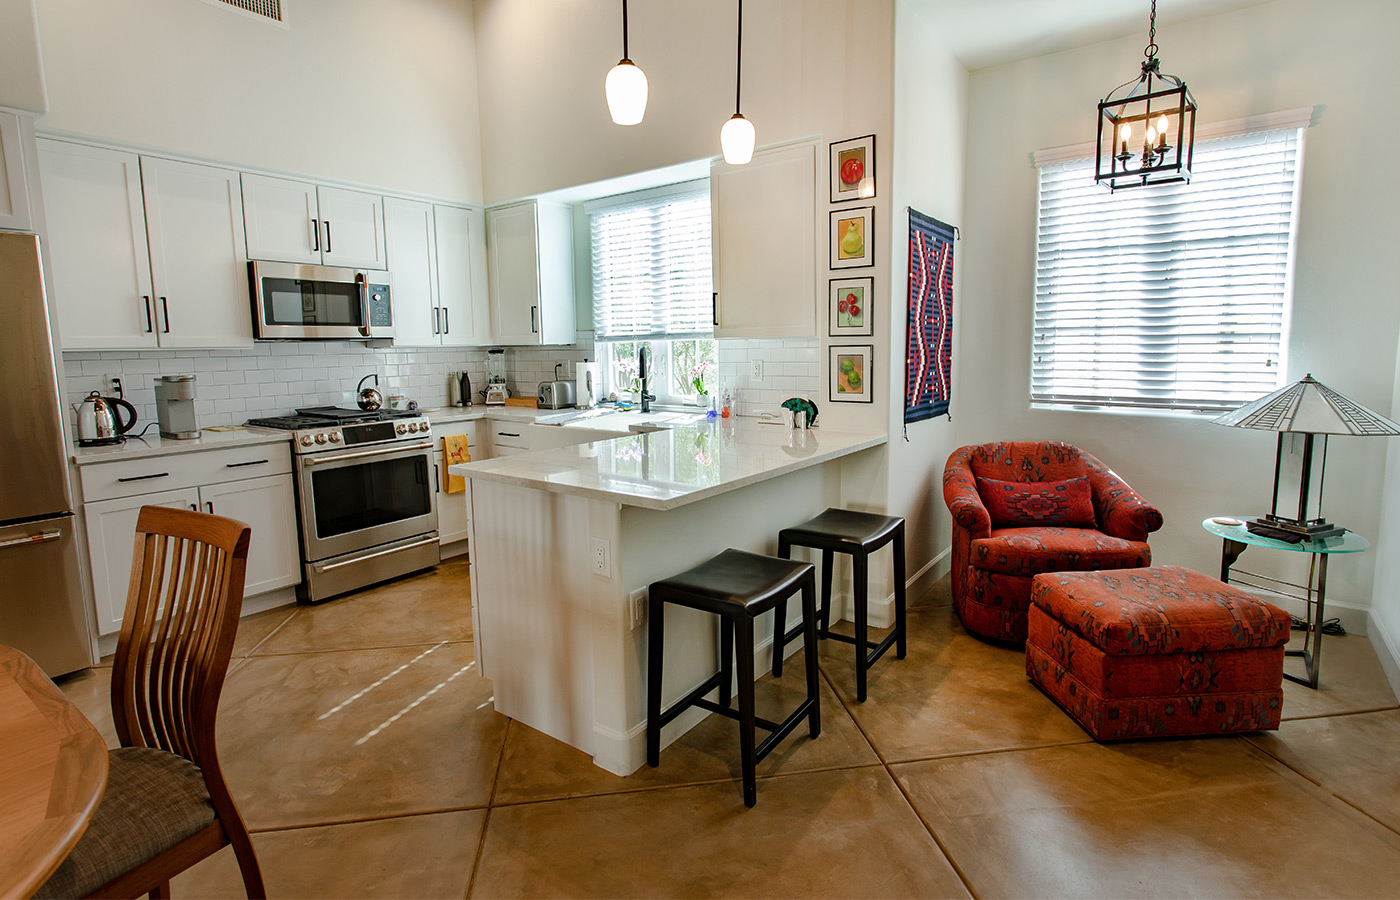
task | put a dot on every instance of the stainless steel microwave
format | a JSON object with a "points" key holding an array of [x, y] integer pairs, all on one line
{"points": [[300, 302]]}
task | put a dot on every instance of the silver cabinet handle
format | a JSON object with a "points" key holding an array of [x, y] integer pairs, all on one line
{"points": [[43, 537], [323, 460], [351, 562]]}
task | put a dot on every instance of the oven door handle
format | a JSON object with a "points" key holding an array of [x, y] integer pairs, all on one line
{"points": [[323, 460], [359, 559]]}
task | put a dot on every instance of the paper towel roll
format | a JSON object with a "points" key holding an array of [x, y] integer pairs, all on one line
{"points": [[587, 387]]}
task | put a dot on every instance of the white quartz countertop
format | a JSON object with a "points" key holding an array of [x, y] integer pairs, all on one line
{"points": [[675, 466], [152, 445]]}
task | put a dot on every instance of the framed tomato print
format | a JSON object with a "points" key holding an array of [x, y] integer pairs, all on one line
{"points": [[853, 237], [850, 313], [851, 373], [853, 169]]}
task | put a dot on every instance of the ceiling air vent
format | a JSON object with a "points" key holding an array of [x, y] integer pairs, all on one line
{"points": [[268, 9]]}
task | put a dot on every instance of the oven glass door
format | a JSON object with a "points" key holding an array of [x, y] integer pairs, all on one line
{"points": [[301, 302], [365, 498]]}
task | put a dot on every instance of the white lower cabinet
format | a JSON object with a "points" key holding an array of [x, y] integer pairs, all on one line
{"points": [[208, 481], [452, 508]]}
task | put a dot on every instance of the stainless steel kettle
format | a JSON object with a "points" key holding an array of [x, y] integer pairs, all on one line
{"points": [[369, 399], [98, 421]]}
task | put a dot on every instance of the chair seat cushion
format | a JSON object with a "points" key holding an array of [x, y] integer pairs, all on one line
{"points": [[1031, 551], [1158, 610], [153, 801]]}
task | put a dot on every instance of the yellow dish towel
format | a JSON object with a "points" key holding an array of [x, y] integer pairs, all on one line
{"points": [[454, 451]]}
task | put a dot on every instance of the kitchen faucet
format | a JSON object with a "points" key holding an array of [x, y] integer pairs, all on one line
{"points": [[642, 378]]}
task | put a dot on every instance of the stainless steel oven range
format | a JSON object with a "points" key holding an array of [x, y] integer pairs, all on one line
{"points": [[364, 494]]}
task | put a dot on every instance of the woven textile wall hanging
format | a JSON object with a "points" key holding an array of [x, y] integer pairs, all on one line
{"points": [[928, 358]]}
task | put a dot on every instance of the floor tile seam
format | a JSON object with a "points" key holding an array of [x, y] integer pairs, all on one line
{"points": [[1313, 786], [412, 814], [490, 805], [990, 751], [1250, 740], [932, 833], [315, 651], [270, 635], [850, 713], [1340, 713], [1386, 825], [1329, 788]]}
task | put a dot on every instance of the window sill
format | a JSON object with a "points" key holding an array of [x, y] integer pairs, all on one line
{"points": [[1191, 415]]}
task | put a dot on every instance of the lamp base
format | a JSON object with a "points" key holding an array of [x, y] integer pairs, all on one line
{"points": [[1310, 530]]}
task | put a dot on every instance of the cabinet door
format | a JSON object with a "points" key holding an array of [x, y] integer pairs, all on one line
{"points": [[512, 243], [111, 538], [194, 222], [14, 187], [764, 234], [461, 276], [268, 506], [97, 246], [408, 228], [352, 228], [281, 219], [556, 255], [452, 508]]}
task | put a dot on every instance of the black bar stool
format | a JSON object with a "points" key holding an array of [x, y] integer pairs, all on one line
{"points": [[738, 587], [859, 534]]}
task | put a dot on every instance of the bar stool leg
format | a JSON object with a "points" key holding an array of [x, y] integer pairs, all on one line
{"points": [[828, 558], [726, 653], [744, 665], [655, 640], [861, 566], [809, 650], [901, 642], [780, 614]]}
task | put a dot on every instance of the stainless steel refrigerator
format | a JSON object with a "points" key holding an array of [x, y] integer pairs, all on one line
{"points": [[42, 611]]}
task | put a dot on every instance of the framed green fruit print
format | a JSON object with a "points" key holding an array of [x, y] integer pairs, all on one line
{"points": [[851, 373], [850, 313], [853, 169], [853, 237]]}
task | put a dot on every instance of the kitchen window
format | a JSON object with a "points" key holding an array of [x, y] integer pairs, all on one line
{"points": [[1172, 297], [652, 287]]}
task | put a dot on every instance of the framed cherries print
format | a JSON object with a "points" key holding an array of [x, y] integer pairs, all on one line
{"points": [[853, 169], [850, 313]]}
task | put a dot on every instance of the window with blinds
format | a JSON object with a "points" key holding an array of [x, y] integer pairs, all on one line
{"points": [[1172, 297], [651, 263]]}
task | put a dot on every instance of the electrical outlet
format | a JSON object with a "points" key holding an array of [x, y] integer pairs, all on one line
{"points": [[637, 600], [602, 557], [113, 385], [756, 370]]}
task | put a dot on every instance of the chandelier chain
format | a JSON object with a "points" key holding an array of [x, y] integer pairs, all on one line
{"points": [[1150, 51]]}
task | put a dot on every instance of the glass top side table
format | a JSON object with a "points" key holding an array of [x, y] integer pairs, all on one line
{"points": [[1237, 539]]}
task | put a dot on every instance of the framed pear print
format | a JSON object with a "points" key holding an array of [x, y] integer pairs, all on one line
{"points": [[849, 315], [850, 374], [853, 169], [853, 237]]}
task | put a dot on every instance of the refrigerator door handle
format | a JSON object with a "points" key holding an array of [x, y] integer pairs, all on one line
{"points": [[42, 537]]}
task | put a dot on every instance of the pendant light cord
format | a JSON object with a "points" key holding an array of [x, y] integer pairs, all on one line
{"points": [[739, 60], [625, 55]]}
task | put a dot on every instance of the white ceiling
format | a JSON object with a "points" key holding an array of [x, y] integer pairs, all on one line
{"points": [[983, 33]]}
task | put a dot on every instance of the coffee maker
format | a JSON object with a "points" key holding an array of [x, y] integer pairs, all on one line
{"points": [[175, 407]]}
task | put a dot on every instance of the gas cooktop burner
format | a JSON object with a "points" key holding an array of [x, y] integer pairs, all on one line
{"points": [[322, 416]]}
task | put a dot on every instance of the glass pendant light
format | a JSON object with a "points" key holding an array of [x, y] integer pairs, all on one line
{"points": [[736, 138], [626, 85]]}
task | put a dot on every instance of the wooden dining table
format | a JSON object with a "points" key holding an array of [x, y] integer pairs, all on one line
{"points": [[53, 768]]}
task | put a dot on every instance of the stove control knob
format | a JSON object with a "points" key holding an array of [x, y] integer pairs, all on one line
{"points": [[402, 429], [320, 437], [306, 440], [335, 437], [412, 426]]}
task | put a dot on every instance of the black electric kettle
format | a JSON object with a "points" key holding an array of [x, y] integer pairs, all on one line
{"points": [[99, 423]]}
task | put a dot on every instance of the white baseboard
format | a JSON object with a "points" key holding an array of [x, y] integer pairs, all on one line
{"points": [[1387, 651]]}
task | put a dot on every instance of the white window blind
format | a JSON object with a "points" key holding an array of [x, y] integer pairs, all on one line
{"points": [[651, 263], [1172, 297]]}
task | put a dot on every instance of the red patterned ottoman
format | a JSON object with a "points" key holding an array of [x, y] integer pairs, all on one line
{"points": [[1154, 652]]}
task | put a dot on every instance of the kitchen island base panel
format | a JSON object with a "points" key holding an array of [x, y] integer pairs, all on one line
{"points": [[559, 641]]}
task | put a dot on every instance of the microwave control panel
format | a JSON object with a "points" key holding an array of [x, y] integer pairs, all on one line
{"points": [[379, 314]]}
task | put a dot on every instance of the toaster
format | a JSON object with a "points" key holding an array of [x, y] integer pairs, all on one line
{"points": [[556, 394]]}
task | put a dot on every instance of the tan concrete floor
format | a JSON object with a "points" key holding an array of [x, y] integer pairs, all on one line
{"points": [[362, 747]]}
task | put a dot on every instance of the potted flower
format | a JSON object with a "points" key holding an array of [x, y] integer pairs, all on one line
{"points": [[699, 374]]}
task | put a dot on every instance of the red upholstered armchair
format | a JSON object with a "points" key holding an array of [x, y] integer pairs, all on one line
{"points": [[994, 560]]}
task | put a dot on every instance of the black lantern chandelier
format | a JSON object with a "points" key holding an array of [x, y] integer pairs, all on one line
{"points": [[1147, 127]]}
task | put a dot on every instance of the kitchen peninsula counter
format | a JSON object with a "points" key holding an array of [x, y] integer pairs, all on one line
{"points": [[565, 541]]}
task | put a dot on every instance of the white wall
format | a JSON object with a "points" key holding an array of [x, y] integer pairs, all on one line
{"points": [[1280, 55], [21, 73], [363, 91], [1384, 624]]}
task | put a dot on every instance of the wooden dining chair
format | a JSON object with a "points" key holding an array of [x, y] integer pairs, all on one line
{"points": [[166, 806]]}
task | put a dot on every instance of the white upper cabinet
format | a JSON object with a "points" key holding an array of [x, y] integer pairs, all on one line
{"points": [[408, 228], [531, 252], [461, 274], [97, 246], [14, 186], [763, 222], [301, 222], [199, 273]]}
